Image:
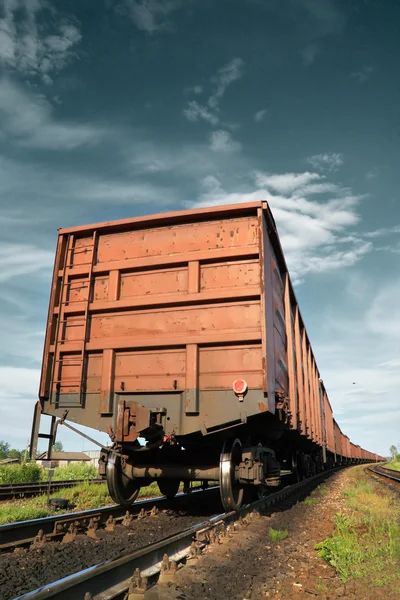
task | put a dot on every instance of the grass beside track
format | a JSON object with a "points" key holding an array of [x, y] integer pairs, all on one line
{"points": [[82, 497], [32, 473], [395, 466], [366, 540]]}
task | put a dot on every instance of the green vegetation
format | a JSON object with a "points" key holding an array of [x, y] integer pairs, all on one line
{"points": [[7, 452], [20, 473], [315, 496], [320, 585], [277, 535], [82, 497], [31, 472], [79, 470], [366, 540], [309, 501], [395, 465]]}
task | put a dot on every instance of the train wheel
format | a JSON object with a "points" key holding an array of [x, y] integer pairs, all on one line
{"points": [[231, 492], [169, 487], [122, 490]]}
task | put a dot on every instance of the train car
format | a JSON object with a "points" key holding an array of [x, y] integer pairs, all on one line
{"points": [[180, 335]]}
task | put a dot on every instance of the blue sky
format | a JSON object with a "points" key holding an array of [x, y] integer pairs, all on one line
{"points": [[116, 109]]}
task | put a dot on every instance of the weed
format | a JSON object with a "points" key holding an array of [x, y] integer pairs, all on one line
{"points": [[20, 473], [319, 585], [81, 497], [277, 535], [395, 465], [79, 470], [310, 501], [366, 540]]}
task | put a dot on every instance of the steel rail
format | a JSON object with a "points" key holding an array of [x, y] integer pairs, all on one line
{"points": [[23, 532], [110, 579], [389, 473], [9, 491]]}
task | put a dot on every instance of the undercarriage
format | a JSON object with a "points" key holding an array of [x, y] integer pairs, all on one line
{"points": [[240, 470]]}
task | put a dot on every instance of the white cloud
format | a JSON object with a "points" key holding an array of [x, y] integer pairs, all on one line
{"points": [[326, 161], [22, 259], [391, 249], [363, 74], [27, 45], [312, 232], [226, 75], [29, 120], [390, 364], [308, 54], [151, 15], [196, 112], [222, 141], [260, 115], [383, 231], [285, 182]]}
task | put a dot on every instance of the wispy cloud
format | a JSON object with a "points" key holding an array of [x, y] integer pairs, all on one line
{"points": [[197, 112], [285, 182], [260, 115], [152, 15], [363, 74], [222, 141], [313, 232], [308, 54], [28, 119], [383, 231], [36, 46], [390, 364], [224, 77], [22, 259], [326, 161]]}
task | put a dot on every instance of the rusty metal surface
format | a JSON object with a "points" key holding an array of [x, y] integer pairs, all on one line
{"points": [[159, 316]]}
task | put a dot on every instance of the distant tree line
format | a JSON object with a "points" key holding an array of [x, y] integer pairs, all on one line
{"points": [[7, 452]]}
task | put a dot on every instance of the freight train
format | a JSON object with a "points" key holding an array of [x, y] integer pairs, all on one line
{"points": [[180, 335]]}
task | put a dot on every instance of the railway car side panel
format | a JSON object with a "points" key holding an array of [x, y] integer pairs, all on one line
{"points": [[166, 316]]}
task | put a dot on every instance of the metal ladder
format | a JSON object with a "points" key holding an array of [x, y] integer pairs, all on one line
{"points": [[76, 382], [55, 380]]}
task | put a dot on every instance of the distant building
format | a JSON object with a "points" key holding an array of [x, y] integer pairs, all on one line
{"points": [[62, 459], [94, 456]]}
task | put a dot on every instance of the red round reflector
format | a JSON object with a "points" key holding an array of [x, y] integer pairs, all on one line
{"points": [[239, 387]]}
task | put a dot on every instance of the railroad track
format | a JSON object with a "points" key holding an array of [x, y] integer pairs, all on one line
{"points": [[53, 528], [388, 473], [10, 491], [133, 572]]}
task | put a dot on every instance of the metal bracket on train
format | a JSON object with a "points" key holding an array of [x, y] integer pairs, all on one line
{"points": [[258, 467], [133, 419], [282, 405]]}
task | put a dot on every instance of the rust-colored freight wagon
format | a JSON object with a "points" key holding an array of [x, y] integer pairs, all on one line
{"points": [[183, 330]]}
